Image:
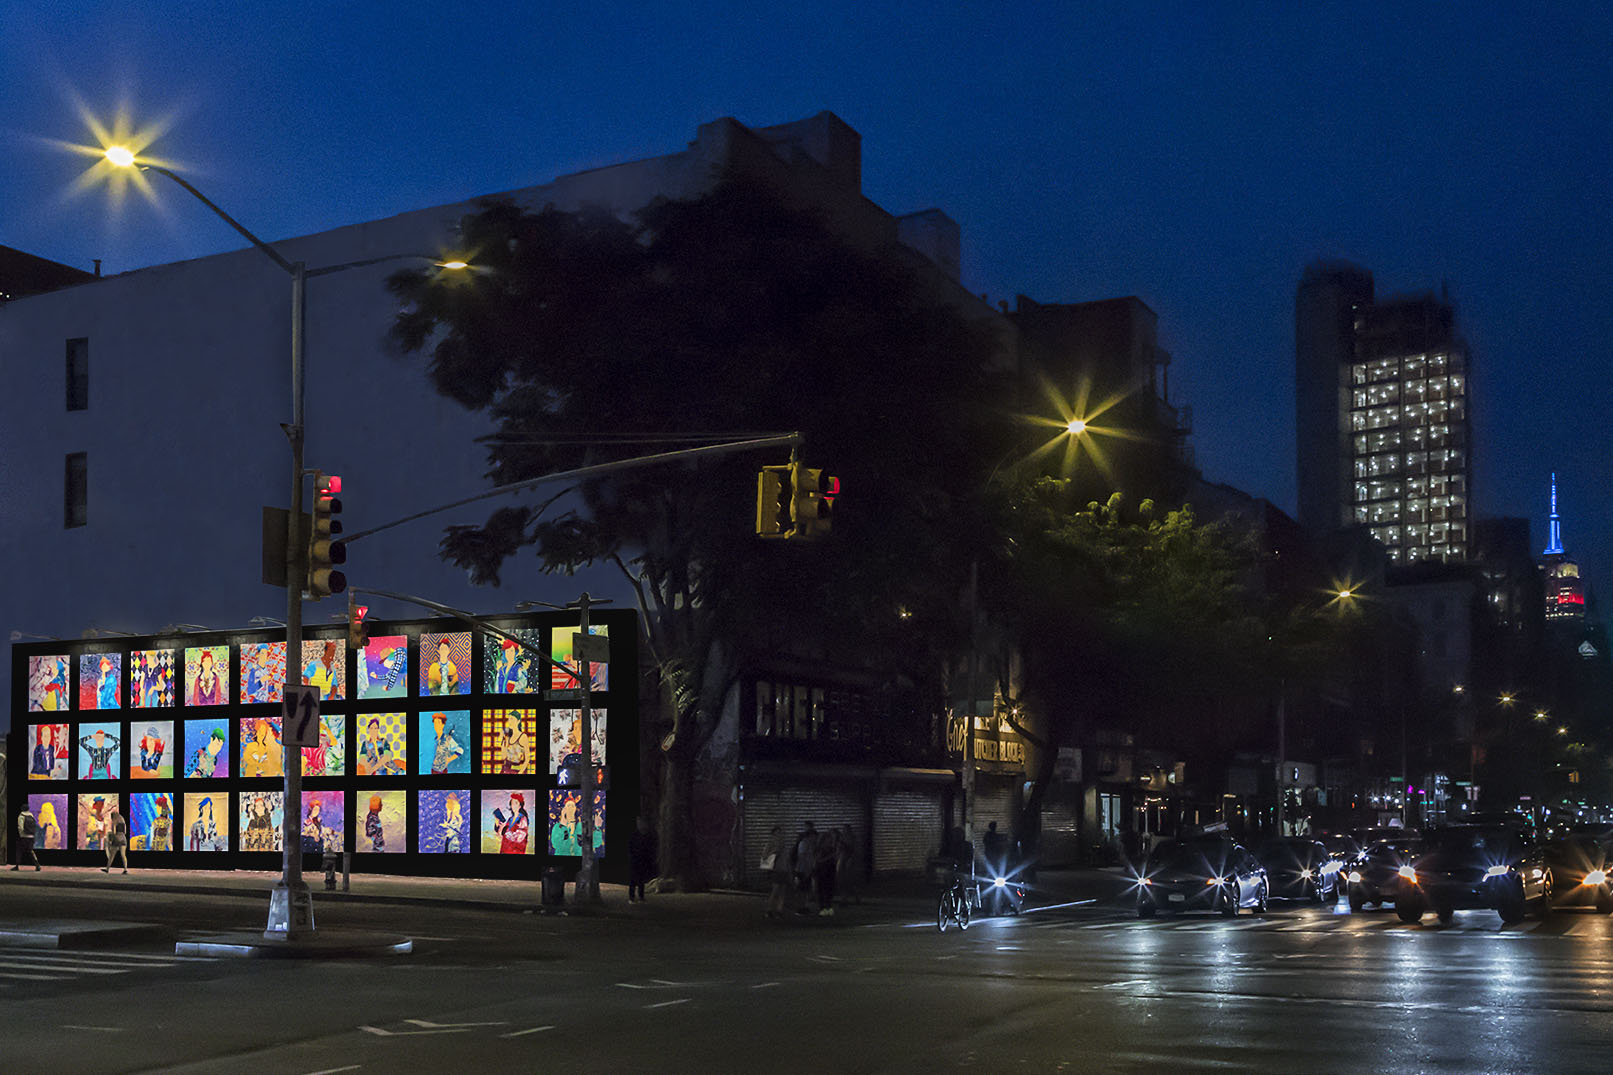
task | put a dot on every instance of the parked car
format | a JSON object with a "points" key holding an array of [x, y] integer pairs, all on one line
{"points": [[1300, 868], [1490, 866], [1581, 872], [1205, 873], [1374, 877]]}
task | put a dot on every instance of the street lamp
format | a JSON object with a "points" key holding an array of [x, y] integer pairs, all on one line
{"points": [[291, 911]]}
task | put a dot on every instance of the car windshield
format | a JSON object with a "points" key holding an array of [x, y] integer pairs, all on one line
{"points": [[1497, 845], [1396, 848], [1190, 854], [1301, 850]]}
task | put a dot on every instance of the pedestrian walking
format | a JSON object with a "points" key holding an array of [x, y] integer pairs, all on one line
{"points": [[27, 829], [775, 865], [828, 857], [847, 866], [117, 840], [641, 865], [803, 863]]}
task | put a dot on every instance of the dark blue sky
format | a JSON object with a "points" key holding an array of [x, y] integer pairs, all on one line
{"points": [[1195, 158]]}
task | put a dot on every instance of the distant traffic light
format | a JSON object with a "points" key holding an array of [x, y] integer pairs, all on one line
{"points": [[772, 506], [324, 552], [812, 500], [358, 628]]}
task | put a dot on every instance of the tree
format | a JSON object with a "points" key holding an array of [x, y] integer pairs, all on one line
{"points": [[1122, 618], [584, 335]]}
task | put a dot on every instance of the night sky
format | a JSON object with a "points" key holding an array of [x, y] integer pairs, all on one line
{"points": [[1195, 158]]}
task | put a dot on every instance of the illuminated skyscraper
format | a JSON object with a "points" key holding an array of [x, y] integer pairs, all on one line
{"points": [[1565, 590], [1382, 416]]}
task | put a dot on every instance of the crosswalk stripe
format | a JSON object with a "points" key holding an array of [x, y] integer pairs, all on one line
{"points": [[75, 969], [36, 977]]}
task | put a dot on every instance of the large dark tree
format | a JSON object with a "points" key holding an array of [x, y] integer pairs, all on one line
{"points": [[586, 337]]}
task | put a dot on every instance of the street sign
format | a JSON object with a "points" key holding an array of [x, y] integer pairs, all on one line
{"points": [[299, 714], [594, 648]]}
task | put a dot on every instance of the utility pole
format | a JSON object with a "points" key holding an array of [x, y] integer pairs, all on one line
{"points": [[1282, 750], [588, 872]]}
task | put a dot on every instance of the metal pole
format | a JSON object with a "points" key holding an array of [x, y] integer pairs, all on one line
{"points": [[1282, 749], [291, 907], [969, 703], [587, 873]]}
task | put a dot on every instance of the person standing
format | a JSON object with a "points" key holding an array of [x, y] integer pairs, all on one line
{"points": [[803, 862], [828, 857], [846, 866], [640, 858], [996, 852], [27, 829], [776, 865], [117, 840]]}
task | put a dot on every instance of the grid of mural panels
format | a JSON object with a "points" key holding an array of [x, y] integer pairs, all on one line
{"points": [[442, 749]]}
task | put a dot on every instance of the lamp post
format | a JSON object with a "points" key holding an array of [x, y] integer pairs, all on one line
{"points": [[1341, 596], [291, 912]]}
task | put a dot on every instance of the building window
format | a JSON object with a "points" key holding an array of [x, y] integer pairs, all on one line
{"points": [[75, 491], [78, 374]]}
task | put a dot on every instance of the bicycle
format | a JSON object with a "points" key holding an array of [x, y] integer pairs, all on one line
{"points": [[956, 904]]}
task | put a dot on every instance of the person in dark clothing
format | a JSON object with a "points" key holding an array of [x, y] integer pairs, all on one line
{"points": [[27, 830], [996, 852], [640, 859], [827, 856]]}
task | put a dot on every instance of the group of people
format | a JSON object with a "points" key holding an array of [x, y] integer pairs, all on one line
{"points": [[112, 834], [810, 872]]}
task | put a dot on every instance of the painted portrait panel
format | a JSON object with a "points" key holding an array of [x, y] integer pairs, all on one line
{"points": [[565, 740], [262, 753], [443, 823], [151, 679], [383, 744], [152, 756], [324, 665], [151, 821], [50, 814], [261, 814], [384, 829], [509, 669], [263, 671], [382, 669], [207, 748], [560, 650], [93, 812], [329, 758], [324, 826], [207, 675], [48, 751], [49, 684], [207, 822], [444, 664], [100, 751], [509, 742], [443, 742], [565, 824], [507, 821], [100, 681]]}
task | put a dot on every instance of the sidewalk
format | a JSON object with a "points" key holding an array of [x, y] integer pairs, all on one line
{"points": [[884, 897]]}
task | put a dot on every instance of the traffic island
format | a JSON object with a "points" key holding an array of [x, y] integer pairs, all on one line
{"points": [[321, 944], [58, 933]]}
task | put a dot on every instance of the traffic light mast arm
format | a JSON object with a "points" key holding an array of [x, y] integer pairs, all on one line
{"points": [[477, 622], [594, 471]]}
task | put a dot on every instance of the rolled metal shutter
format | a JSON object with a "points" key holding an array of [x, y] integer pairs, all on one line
{"points": [[908, 828], [1061, 827], [826, 807], [994, 801]]}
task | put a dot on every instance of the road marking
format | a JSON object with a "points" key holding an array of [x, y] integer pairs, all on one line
{"points": [[103, 1029], [37, 977], [764, 985], [528, 1030], [669, 1003], [427, 1026], [333, 1071], [452, 1026], [75, 969]]}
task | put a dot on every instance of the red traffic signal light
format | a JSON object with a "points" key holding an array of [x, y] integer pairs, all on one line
{"points": [[323, 550], [812, 500], [358, 628]]}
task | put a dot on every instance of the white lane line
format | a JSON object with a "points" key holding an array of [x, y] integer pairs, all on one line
{"points": [[765, 985], [103, 1029], [528, 1030], [669, 1003], [333, 1071], [36, 977], [1058, 906]]}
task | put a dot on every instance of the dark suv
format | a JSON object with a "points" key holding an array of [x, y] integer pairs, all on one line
{"points": [[1374, 877], [1490, 866]]}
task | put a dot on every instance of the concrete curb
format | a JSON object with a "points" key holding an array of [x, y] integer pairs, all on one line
{"points": [[65, 934], [323, 944]]}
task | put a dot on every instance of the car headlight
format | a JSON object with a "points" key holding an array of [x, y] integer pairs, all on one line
{"points": [[1144, 881], [1408, 873], [1497, 871], [1215, 881], [1306, 874], [1596, 877], [1355, 877], [999, 882]]}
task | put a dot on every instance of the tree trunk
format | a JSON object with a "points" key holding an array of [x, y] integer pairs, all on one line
{"points": [[680, 869]]}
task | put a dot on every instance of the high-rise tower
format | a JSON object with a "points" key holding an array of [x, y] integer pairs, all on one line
{"points": [[1382, 416], [1565, 590]]}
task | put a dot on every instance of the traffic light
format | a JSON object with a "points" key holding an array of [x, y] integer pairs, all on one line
{"points": [[772, 510], [358, 629], [812, 499], [323, 552]]}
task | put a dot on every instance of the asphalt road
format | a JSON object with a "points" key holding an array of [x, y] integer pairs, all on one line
{"points": [[1078, 989]]}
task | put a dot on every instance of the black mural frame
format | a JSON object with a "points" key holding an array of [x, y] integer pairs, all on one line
{"points": [[620, 702]]}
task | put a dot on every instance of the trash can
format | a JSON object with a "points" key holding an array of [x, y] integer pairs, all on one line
{"points": [[554, 887]]}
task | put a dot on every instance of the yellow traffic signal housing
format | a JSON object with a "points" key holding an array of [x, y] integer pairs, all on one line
{"points": [[324, 552], [772, 510], [358, 628], [812, 499]]}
